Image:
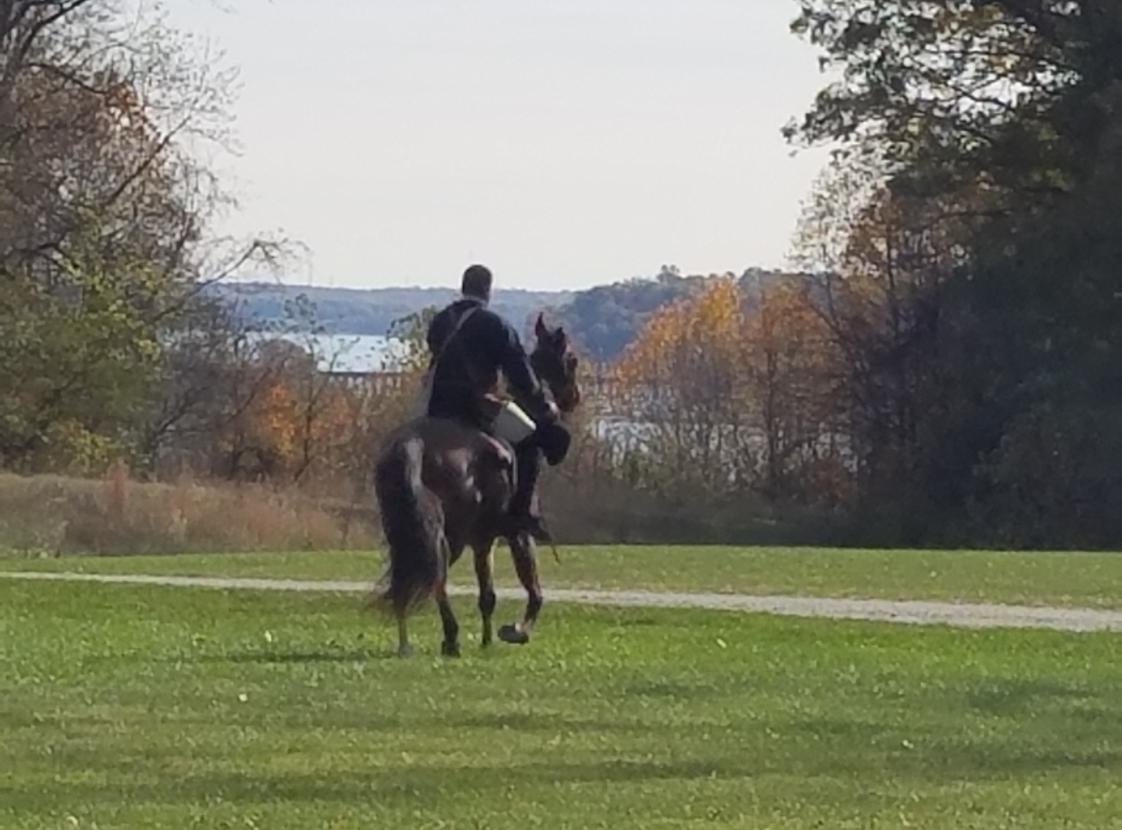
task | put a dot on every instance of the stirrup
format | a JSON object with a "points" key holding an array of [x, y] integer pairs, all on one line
{"points": [[515, 525], [535, 527]]}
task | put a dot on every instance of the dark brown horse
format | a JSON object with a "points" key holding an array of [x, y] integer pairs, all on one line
{"points": [[444, 486]]}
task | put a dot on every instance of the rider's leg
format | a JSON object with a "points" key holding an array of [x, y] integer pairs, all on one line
{"points": [[523, 504], [511, 424], [528, 458]]}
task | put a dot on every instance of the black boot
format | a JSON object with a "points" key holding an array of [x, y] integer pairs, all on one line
{"points": [[523, 516]]}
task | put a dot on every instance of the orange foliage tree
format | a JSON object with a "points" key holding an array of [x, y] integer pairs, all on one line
{"points": [[303, 425], [790, 388], [732, 390], [680, 379]]}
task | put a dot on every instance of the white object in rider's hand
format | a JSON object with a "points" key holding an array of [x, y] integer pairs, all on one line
{"points": [[513, 425]]}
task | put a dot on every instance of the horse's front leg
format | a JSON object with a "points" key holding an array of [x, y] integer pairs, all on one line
{"points": [[526, 565], [484, 573]]}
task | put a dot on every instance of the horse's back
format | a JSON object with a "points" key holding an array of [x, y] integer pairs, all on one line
{"points": [[445, 441], [462, 465]]}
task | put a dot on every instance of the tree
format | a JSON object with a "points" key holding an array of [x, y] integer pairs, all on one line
{"points": [[680, 374], [790, 395], [946, 90], [103, 218], [973, 286], [735, 392], [411, 332]]}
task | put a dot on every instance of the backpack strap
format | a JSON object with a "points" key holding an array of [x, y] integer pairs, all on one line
{"points": [[422, 404], [459, 324]]}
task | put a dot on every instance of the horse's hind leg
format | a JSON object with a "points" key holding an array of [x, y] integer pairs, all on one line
{"points": [[483, 572], [522, 550], [403, 647], [451, 645]]}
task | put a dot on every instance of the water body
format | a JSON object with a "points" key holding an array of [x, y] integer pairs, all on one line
{"points": [[346, 352]]}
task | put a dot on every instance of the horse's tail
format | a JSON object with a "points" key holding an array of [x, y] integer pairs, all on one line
{"points": [[413, 522]]}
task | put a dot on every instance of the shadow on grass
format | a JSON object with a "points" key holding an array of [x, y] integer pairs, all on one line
{"points": [[409, 784], [1015, 697], [677, 690], [550, 724], [268, 657], [862, 749]]}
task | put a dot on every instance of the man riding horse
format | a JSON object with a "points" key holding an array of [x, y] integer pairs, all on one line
{"points": [[444, 480], [470, 346]]}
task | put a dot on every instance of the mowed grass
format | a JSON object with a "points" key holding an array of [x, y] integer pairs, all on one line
{"points": [[125, 706], [1091, 580]]}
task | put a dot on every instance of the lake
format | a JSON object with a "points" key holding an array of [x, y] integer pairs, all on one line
{"points": [[346, 352]]}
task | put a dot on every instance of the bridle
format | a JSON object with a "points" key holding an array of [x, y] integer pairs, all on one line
{"points": [[556, 364]]}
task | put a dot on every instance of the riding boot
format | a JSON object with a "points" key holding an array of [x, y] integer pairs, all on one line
{"points": [[523, 513]]}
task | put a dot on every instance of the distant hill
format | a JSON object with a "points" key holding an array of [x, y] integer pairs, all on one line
{"points": [[370, 310], [605, 319], [602, 321]]}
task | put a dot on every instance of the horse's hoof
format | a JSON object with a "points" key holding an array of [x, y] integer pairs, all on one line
{"points": [[514, 634], [405, 651], [450, 649]]}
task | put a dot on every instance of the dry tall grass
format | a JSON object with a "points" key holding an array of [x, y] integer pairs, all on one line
{"points": [[50, 515], [53, 514], [608, 511]]}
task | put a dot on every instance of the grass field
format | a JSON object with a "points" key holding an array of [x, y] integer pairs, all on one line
{"points": [[1092, 580], [127, 706]]}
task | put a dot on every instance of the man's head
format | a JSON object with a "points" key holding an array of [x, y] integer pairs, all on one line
{"points": [[477, 283]]}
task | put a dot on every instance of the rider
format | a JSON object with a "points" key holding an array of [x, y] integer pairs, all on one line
{"points": [[470, 345]]}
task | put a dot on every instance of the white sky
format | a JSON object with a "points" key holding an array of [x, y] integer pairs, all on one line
{"points": [[562, 142]]}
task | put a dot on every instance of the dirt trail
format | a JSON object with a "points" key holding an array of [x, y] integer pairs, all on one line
{"points": [[968, 615]]}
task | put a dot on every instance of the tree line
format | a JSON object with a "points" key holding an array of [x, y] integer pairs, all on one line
{"points": [[950, 369], [944, 367], [113, 348]]}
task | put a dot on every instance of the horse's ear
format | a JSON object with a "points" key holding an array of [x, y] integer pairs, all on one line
{"points": [[540, 329]]}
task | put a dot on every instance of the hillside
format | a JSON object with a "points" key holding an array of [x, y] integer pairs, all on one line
{"points": [[601, 320], [370, 310], [605, 319]]}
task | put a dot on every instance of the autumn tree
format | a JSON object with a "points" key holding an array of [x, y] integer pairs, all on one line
{"points": [[798, 448], [680, 376], [733, 390], [974, 280], [103, 219]]}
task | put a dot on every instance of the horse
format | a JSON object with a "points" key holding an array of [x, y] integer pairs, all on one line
{"points": [[443, 486]]}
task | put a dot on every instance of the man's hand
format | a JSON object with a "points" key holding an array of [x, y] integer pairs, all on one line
{"points": [[554, 440], [550, 413]]}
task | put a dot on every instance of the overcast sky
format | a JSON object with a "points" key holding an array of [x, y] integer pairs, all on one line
{"points": [[562, 142]]}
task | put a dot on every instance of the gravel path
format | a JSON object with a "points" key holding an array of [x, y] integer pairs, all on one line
{"points": [[969, 615]]}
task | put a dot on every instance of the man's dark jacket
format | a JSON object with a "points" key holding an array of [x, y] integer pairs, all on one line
{"points": [[468, 365]]}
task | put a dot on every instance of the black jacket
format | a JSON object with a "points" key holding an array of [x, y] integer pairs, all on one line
{"points": [[468, 365]]}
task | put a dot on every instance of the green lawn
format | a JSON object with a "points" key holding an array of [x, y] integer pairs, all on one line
{"points": [[1073, 579], [124, 706]]}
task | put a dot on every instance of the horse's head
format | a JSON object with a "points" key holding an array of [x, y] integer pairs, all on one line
{"points": [[556, 365]]}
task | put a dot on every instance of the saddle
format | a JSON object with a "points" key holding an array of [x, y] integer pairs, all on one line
{"points": [[501, 451]]}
